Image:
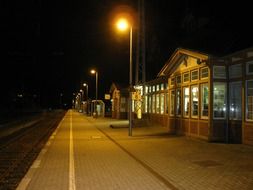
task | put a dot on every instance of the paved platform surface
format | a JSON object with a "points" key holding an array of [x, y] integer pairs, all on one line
{"points": [[86, 153]]}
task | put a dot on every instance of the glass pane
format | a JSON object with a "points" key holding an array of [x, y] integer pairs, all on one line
{"points": [[195, 101], [149, 104], [195, 75], [153, 103], [153, 88], [146, 104], [157, 87], [235, 99], [205, 101], [219, 100], [178, 102], [172, 81], [162, 103], [158, 103], [167, 103], [186, 101], [204, 73], [178, 79], [162, 86], [250, 67], [172, 98], [250, 100], [186, 77], [219, 72], [235, 71]]}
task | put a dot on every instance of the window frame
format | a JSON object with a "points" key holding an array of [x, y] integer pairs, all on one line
{"points": [[188, 77], [230, 84], [195, 70], [172, 103], [194, 116], [225, 100], [247, 67], [202, 85], [246, 107], [201, 72], [184, 102], [219, 66]]}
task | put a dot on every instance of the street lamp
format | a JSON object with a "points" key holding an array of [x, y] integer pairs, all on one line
{"points": [[87, 98], [123, 24], [96, 73], [81, 99]]}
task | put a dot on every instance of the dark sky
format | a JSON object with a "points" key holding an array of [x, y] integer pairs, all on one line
{"points": [[49, 46]]}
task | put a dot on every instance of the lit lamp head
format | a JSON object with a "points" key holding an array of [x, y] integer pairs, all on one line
{"points": [[84, 84], [93, 71], [122, 24]]}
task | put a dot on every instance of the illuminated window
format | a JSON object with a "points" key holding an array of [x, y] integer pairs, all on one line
{"points": [[204, 73], [235, 101], [145, 104], [186, 77], [146, 89], [167, 103], [157, 103], [172, 102], [157, 87], [249, 100], [178, 102], [186, 93], [219, 100], [162, 103], [204, 101], [162, 86], [194, 101], [153, 88], [194, 75], [149, 104], [153, 103]]}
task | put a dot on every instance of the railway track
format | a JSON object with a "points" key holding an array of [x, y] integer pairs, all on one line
{"points": [[19, 150]]}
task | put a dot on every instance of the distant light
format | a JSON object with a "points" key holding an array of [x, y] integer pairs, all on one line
{"points": [[93, 71], [20, 95], [122, 24], [84, 84]]}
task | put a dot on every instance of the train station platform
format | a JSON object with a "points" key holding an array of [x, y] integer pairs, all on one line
{"points": [[86, 153]]}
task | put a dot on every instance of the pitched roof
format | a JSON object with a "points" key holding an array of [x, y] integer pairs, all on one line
{"points": [[179, 55]]}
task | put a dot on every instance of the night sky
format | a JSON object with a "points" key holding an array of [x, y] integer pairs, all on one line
{"points": [[49, 47]]}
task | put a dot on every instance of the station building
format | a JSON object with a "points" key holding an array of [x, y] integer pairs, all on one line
{"points": [[203, 96], [198, 95]]}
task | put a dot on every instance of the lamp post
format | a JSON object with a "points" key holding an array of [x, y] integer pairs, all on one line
{"points": [[96, 73], [87, 97], [81, 99], [123, 24]]}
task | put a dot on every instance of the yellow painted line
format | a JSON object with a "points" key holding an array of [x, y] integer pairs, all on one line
{"points": [[72, 185]]}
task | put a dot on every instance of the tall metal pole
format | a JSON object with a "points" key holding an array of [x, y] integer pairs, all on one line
{"points": [[130, 82], [96, 93]]}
